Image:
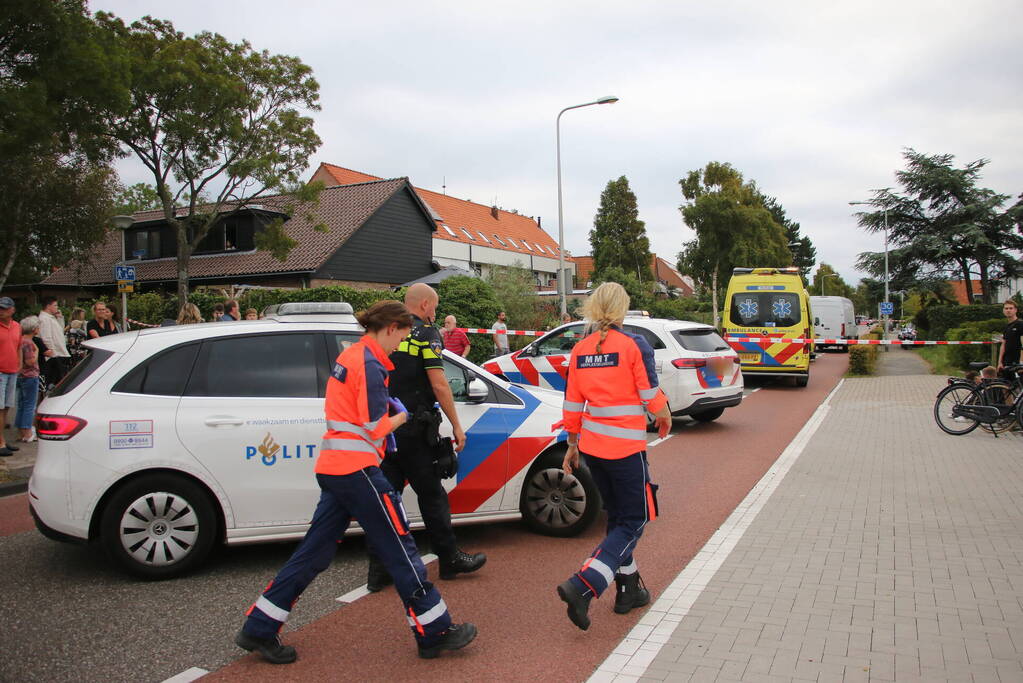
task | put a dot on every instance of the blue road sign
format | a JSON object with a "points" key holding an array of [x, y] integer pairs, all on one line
{"points": [[124, 273], [887, 308]]}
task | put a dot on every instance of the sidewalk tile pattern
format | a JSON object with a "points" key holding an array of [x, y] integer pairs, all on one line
{"points": [[888, 551]]}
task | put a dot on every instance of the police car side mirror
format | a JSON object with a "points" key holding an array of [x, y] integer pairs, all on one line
{"points": [[477, 390]]}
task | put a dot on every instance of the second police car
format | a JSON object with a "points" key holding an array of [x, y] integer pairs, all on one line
{"points": [[697, 370], [165, 442]]}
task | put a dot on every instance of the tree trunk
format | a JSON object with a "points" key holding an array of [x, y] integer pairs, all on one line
{"points": [[15, 247], [985, 283], [184, 253], [714, 297], [967, 282]]}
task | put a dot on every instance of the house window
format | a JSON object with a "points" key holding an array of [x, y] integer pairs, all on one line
{"points": [[526, 245], [147, 244], [512, 242], [232, 235], [450, 231], [468, 234], [485, 238], [552, 251], [499, 240], [538, 247]]}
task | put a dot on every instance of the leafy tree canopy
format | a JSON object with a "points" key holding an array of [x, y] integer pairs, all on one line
{"points": [[219, 125], [942, 223], [732, 226], [639, 292], [618, 238], [135, 198]]}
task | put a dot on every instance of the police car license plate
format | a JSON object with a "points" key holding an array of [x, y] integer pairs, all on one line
{"points": [[749, 357]]}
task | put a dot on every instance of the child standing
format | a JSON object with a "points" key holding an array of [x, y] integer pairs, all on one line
{"points": [[28, 380]]}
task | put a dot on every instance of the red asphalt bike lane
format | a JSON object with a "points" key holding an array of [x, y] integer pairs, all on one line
{"points": [[704, 472]]}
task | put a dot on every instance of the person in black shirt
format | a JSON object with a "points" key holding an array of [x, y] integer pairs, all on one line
{"points": [[419, 382], [101, 325], [1011, 337]]}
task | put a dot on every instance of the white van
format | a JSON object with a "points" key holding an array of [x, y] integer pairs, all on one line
{"points": [[833, 318]]}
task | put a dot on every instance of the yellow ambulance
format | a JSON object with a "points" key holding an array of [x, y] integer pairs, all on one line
{"points": [[765, 303]]}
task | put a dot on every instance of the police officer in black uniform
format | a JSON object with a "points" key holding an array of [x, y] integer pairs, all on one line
{"points": [[419, 382]]}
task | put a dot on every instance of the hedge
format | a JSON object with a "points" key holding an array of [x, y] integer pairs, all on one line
{"points": [[937, 320], [962, 356], [862, 360]]}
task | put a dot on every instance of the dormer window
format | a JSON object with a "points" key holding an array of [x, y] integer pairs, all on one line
{"points": [[468, 234], [450, 231], [499, 240], [512, 242]]}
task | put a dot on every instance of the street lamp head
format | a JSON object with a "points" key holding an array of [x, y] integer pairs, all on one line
{"points": [[123, 222], [608, 99]]}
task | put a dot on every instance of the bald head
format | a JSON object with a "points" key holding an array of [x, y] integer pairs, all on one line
{"points": [[421, 300]]}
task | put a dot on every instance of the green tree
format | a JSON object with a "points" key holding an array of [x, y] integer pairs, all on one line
{"points": [[218, 124], [639, 292], [827, 282], [474, 303], [732, 226], [56, 208], [515, 290], [804, 254], [618, 237], [135, 198], [942, 222]]}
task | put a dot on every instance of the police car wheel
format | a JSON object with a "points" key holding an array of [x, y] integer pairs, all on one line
{"points": [[557, 504], [158, 526]]}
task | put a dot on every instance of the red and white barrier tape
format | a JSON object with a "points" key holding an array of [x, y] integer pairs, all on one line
{"points": [[525, 333], [136, 323], [778, 340]]}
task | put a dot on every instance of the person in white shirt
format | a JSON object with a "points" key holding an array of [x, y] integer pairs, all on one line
{"points": [[501, 335], [51, 331]]}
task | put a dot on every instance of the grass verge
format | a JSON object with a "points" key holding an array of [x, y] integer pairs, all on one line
{"points": [[937, 358]]}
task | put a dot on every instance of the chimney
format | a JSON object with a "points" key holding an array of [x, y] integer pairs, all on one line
{"points": [[493, 211]]}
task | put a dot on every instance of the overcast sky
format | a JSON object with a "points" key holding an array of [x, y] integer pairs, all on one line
{"points": [[814, 101]]}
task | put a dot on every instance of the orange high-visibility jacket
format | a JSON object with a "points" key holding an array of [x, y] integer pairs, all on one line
{"points": [[609, 393], [356, 409]]}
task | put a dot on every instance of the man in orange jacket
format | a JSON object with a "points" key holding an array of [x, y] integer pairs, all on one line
{"points": [[612, 384]]}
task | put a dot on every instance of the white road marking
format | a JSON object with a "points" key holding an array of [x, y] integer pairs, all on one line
{"points": [[653, 443], [362, 591], [187, 675], [630, 659]]}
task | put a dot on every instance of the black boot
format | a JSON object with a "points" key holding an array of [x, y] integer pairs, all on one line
{"points": [[460, 563], [272, 649], [455, 638], [631, 592], [578, 604], [377, 577]]}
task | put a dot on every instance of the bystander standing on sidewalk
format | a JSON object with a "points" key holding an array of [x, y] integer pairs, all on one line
{"points": [[101, 324], [1012, 337], [51, 331], [230, 311], [251, 314], [28, 380], [455, 340], [500, 327], [10, 364], [189, 314]]}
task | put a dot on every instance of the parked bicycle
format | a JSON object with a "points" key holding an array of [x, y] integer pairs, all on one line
{"points": [[994, 404]]}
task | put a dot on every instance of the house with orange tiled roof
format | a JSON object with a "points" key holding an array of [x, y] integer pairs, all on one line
{"points": [[362, 220], [668, 277], [959, 290], [474, 236]]}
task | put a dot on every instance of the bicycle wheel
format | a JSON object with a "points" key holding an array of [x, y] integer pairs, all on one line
{"points": [[1002, 394], [951, 396]]}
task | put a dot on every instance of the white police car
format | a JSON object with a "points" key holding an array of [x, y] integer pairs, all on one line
{"points": [[165, 442], [698, 371]]}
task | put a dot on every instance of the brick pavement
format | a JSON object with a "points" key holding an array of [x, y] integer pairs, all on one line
{"points": [[887, 550]]}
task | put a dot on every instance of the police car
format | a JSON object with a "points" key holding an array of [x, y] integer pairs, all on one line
{"points": [[698, 371], [165, 442]]}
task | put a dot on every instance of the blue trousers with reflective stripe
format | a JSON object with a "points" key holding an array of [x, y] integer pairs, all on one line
{"points": [[622, 485], [367, 496]]}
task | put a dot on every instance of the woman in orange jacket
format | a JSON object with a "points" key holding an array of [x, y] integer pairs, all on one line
{"points": [[360, 418], [612, 384]]}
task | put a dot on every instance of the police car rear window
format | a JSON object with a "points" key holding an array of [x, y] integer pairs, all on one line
{"points": [[85, 367], [163, 375], [700, 340]]}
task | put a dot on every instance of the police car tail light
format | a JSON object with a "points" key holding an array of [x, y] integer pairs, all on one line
{"points": [[58, 427], [689, 362]]}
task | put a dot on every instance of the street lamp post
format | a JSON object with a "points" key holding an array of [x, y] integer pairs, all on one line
{"points": [[824, 277], [562, 294], [122, 223], [884, 317]]}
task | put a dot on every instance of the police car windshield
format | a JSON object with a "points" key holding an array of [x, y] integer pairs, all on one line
{"points": [[765, 309]]}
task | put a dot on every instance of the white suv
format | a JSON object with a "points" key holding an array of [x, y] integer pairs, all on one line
{"points": [[164, 442], [697, 369]]}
